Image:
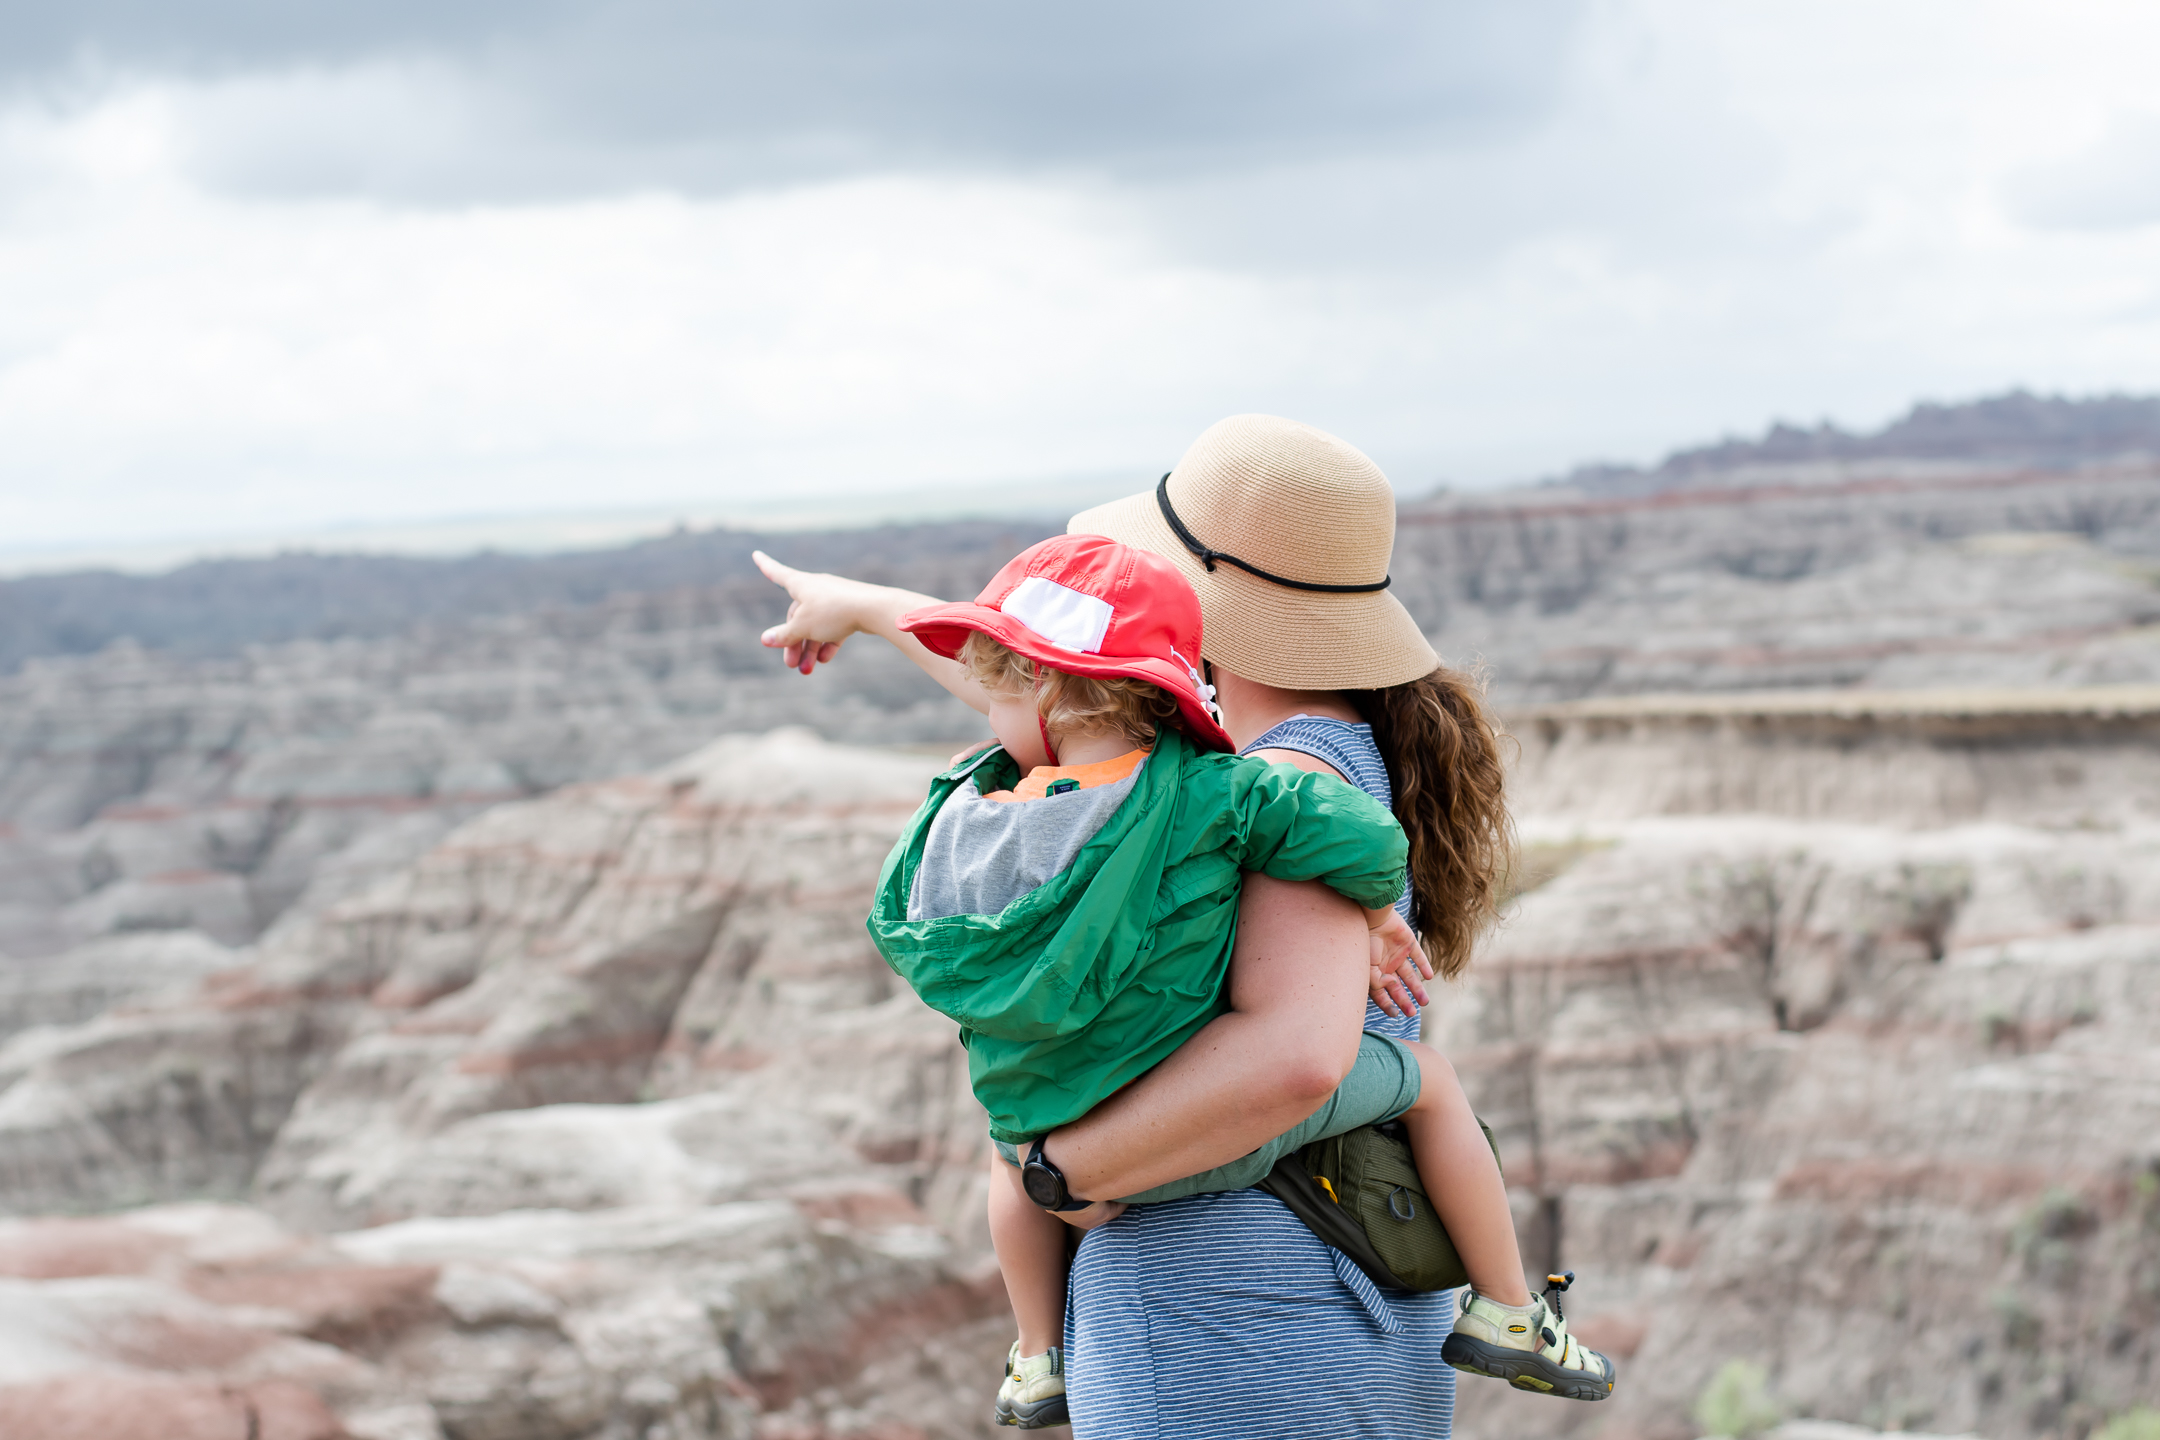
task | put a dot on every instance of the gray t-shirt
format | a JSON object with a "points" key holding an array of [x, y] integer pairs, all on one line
{"points": [[981, 855]]}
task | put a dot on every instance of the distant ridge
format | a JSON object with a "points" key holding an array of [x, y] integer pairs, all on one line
{"points": [[2017, 429], [1795, 503], [215, 608]]}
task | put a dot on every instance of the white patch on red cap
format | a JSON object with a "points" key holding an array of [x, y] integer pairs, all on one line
{"points": [[1069, 619]]}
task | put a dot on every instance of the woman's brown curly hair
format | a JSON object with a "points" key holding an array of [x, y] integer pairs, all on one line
{"points": [[1445, 758]]}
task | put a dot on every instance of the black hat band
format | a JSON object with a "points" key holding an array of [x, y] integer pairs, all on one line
{"points": [[1209, 557]]}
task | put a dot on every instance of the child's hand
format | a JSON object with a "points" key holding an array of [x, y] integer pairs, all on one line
{"points": [[822, 612], [1398, 964]]}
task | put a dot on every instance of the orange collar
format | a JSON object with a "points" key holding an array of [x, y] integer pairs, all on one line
{"points": [[1103, 772]]}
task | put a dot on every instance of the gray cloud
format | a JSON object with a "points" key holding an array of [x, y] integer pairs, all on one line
{"points": [[221, 36], [2112, 184], [491, 100]]}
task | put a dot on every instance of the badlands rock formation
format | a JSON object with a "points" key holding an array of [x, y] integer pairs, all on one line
{"points": [[243, 740], [462, 1225], [1877, 581], [219, 785], [392, 1042], [603, 1120], [141, 792], [1924, 758], [1876, 1105]]}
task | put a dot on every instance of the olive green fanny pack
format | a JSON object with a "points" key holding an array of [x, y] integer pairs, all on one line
{"points": [[1360, 1192]]}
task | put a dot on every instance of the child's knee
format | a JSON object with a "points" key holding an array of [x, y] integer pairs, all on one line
{"points": [[1009, 1203], [1438, 1084], [1006, 1190]]}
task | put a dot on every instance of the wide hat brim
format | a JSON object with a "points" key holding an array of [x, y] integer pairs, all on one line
{"points": [[945, 628], [1294, 639]]}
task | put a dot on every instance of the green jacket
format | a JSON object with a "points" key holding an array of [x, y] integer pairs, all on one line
{"points": [[1092, 978]]}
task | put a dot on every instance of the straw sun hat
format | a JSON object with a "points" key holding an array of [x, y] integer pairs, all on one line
{"points": [[1285, 531]]}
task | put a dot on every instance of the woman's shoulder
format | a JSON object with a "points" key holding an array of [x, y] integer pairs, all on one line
{"points": [[1341, 748], [1323, 733], [1254, 784], [1302, 759], [1251, 763]]}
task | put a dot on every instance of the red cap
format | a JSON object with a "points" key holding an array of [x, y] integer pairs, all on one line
{"points": [[1090, 606]]}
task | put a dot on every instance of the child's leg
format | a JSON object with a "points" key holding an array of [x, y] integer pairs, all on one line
{"points": [[1464, 1182], [1501, 1330], [1030, 1245]]}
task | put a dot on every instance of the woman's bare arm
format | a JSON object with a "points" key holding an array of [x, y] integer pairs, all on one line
{"points": [[824, 610], [1298, 978]]}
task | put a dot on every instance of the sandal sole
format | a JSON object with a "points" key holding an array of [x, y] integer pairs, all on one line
{"points": [[1042, 1415], [1524, 1369]]}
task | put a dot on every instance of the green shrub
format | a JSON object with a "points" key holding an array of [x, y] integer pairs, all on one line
{"points": [[2141, 1423], [2021, 1327], [1737, 1402]]}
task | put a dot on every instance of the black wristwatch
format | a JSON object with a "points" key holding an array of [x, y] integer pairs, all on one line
{"points": [[1045, 1183]]}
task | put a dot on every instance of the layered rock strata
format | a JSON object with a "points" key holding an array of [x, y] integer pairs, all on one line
{"points": [[2054, 758], [821, 1314], [608, 1103], [1874, 1106], [210, 784], [453, 1059], [1882, 580], [139, 791]]}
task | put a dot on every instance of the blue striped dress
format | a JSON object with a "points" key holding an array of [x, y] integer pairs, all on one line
{"points": [[1220, 1317]]}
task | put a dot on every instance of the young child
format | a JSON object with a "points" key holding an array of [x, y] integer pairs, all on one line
{"points": [[1078, 920]]}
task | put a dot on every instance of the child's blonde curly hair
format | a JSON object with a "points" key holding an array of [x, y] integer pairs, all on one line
{"points": [[1067, 702]]}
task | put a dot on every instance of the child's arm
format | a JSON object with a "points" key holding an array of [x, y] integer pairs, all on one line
{"points": [[824, 610], [1296, 824], [1398, 963]]}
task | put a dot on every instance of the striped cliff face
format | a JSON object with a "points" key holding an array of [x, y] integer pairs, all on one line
{"points": [[1883, 576], [621, 1093], [1861, 1102], [2054, 758], [252, 755], [1870, 1104]]}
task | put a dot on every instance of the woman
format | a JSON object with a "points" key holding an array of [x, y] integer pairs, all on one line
{"points": [[1221, 1314]]}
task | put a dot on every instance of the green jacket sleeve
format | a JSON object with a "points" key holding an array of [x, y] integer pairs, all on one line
{"points": [[1298, 825]]}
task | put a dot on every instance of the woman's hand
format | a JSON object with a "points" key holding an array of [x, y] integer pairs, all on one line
{"points": [[823, 610], [1398, 964]]}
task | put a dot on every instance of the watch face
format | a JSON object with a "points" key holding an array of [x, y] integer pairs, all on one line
{"points": [[1044, 1186]]}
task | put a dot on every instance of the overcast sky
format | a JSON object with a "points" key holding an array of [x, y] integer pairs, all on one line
{"points": [[268, 265]]}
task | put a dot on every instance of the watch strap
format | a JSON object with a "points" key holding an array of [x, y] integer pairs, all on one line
{"points": [[1040, 1167]]}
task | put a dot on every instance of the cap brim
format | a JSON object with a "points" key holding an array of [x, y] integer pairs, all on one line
{"points": [[945, 628], [1295, 639]]}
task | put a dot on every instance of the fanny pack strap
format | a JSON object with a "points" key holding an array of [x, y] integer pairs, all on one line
{"points": [[1289, 1183]]}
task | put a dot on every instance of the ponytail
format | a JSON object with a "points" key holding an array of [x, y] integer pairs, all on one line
{"points": [[1443, 755]]}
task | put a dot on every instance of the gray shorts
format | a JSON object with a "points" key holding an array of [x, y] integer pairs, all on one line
{"points": [[1382, 1086]]}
